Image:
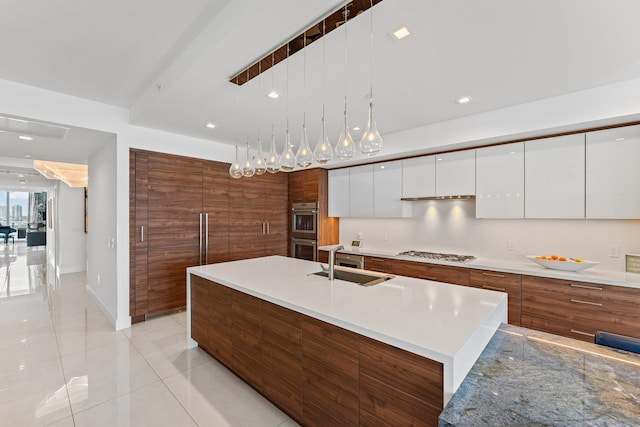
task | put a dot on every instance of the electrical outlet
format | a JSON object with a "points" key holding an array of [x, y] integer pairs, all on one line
{"points": [[385, 237], [511, 245], [614, 251]]}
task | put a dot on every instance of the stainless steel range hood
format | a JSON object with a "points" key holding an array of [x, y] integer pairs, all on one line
{"points": [[460, 197]]}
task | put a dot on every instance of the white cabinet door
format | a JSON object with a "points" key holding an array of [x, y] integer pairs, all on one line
{"points": [[361, 191], [554, 182], [456, 173], [419, 177], [387, 186], [500, 181], [339, 192], [613, 173]]}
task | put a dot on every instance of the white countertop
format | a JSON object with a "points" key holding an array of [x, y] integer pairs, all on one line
{"points": [[528, 267], [447, 323]]}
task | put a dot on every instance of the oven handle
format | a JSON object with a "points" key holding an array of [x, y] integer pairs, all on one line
{"points": [[313, 243]]}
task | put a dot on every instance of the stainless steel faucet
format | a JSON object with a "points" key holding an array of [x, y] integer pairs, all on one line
{"points": [[332, 260]]}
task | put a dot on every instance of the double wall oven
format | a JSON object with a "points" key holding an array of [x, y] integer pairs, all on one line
{"points": [[304, 230]]}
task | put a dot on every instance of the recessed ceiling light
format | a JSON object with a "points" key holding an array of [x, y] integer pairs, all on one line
{"points": [[401, 32], [619, 139], [464, 100], [273, 94], [20, 175], [356, 128], [25, 138], [211, 125], [27, 156]]}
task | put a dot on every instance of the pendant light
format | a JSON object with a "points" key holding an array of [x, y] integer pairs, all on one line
{"points": [[235, 170], [345, 148], [260, 162], [288, 158], [323, 152], [273, 163], [371, 141], [248, 170], [304, 158]]}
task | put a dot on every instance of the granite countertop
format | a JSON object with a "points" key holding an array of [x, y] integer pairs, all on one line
{"points": [[446, 323], [526, 378], [528, 267]]}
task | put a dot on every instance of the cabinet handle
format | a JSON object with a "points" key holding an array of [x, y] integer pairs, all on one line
{"points": [[206, 238], [263, 228], [593, 288], [142, 233], [493, 288], [200, 242], [268, 228], [377, 259], [493, 275], [582, 333], [577, 301], [428, 278]]}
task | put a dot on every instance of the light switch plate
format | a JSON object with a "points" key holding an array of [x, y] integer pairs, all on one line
{"points": [[614, 251]]}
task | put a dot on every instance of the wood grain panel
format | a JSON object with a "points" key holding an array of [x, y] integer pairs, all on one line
{"points": [[284, 393], [200, 319], [405, 371], [215, 202], [395, 407], [571, 330], [247, 313], [502, 282], [331, 390], [586, 305]]}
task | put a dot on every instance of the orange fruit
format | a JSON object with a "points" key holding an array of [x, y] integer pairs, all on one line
{"points": [[554, 257], [562, 258]]}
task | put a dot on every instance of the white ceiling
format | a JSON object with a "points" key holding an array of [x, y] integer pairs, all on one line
{"points": [[169, 62]]}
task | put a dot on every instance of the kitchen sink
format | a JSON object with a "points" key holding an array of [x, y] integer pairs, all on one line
{"points": [[359, 277]]}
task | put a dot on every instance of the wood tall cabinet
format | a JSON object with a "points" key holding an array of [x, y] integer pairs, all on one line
{"points": [[258, 216], [169, 199], [312, 186]]}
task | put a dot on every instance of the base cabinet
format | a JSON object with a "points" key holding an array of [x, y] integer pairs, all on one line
{"points": [[318, 373], [579, 309], [501, 282]]}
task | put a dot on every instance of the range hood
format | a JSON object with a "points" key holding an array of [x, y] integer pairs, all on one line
{"points": [[459, 197]]}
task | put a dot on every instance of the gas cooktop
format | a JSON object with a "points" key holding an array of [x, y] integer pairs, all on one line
{"points": [[438, 256]]}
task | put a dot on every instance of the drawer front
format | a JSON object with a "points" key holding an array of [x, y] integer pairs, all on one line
{"points": [[435, 272], [598, 307], [579, 332], [381, 265], [501, 282]]}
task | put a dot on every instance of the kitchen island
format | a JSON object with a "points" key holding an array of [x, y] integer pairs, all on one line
{"points": [[380, 342]]}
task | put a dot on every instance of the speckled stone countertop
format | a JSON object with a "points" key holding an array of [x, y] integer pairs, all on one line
{"points": [[530, 378]]}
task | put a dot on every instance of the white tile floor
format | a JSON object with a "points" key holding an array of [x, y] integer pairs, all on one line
{"points": [[61, 363]]}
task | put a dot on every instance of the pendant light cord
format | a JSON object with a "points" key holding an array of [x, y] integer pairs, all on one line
{"points": [[304, 81], [273, 85], [324, 33], [346, 15], [371, 58]]}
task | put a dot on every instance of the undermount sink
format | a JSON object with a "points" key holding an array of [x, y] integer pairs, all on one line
{"points": [[359, 278]]}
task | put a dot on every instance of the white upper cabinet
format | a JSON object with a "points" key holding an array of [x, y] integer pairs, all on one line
{"points": [[339, 192], [613, 173], [387, 185], [555, 177], [361, 191], [456, 173], [500, 181], [419, 177]]}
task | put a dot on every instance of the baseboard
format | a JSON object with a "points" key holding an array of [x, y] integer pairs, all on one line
{"points": [[117, 324]]}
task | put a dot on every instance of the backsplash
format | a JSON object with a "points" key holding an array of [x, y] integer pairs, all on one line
{"points": [[451, 226]]}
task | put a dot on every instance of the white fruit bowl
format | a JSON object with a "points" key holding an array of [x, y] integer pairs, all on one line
{"points": [[568, 265]]}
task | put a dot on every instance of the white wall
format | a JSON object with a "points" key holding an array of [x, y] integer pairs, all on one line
{"points": [[102, 278], [451, 226], [72, 240]]}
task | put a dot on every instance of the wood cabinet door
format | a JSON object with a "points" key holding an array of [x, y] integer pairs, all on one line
{"points": [[215, 205], [276, 214], [173, 236], [247, 338]]}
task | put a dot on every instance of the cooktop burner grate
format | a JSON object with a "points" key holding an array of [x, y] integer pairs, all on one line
{"points": [[438, 256]]}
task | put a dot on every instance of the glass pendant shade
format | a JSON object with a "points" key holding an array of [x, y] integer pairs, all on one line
{"points": [[323, 152], [235, 170], [260, 162], [371, 141], [273, 162], [248, 170], [304, 158], [288, 158], [345, 148]]}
